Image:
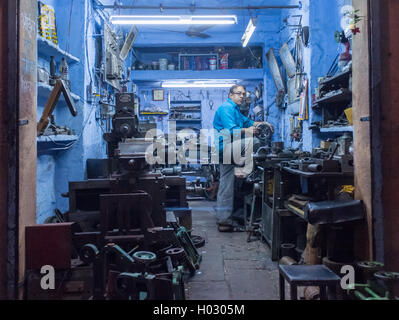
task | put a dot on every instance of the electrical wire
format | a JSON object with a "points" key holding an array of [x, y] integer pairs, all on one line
{"points": [[252, 53], [69, 27], [86, 42]]}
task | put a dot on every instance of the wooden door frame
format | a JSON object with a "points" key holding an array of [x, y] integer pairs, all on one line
{"points": [[9, 228]]}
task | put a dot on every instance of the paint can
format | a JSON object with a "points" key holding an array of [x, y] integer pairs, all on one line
{"points": [[163, 64], [212, 63]]}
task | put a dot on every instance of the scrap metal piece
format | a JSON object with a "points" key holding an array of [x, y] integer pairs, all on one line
{"points": [[275, 70], [288, 60]]}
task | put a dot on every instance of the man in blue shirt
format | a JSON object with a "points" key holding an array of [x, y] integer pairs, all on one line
{"points": [[232, 126]]}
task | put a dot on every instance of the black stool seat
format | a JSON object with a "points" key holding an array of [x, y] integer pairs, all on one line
{"points": [[307, 275]]}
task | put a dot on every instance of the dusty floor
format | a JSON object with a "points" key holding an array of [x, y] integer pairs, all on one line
{"points": [[231, 268]]}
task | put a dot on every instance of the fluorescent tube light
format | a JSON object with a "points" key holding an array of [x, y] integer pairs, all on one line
{"points": [[197, 84], [153, 20], [248, 32]]}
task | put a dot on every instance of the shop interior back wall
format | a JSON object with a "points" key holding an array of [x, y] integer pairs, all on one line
{"points": [[79, 25]]}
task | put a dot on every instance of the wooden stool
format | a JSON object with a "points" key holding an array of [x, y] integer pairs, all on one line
{"points": [[307, 275]]}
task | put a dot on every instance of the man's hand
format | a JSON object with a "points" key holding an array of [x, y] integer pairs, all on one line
{"points": [[251, 130]]}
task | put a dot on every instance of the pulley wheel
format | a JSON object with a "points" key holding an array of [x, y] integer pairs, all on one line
{"points": [[175, 253], [264, 132], [370, 265], [198, 241], [369, 268], [88, 253], [144, 256]]}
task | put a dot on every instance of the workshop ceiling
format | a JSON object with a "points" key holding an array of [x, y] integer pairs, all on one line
{"points": [[269, 21]]}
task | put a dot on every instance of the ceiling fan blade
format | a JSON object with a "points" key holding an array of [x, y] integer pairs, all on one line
{"points": [[200, 28], [197, 34], [166, 30]]}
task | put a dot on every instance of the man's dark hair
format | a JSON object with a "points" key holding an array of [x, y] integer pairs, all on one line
{"points": [[233, 88]]}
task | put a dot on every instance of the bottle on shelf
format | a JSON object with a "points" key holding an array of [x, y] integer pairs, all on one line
{"points": [[64, 70], [52, 71]]}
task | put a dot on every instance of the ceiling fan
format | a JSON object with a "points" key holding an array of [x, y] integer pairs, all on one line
{"points": [[198, 31], [193, 31]]}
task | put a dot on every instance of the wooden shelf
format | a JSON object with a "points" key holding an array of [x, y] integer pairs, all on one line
{"points": [[47, 49]]}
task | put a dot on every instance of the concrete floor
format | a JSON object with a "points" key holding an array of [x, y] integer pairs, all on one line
{"points": [[231, 268]]}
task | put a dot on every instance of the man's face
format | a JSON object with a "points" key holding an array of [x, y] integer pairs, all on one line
{"points": [[238, 95]]}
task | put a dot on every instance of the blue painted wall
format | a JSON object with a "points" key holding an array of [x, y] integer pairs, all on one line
{"points": [[324, 18], [56, 168], [211, 99]]}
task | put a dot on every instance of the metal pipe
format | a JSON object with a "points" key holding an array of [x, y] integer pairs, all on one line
{"points": [[161, 7], [315, 167]]}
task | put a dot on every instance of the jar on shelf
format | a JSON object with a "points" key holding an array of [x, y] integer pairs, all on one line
{"points": [[212, 63]]}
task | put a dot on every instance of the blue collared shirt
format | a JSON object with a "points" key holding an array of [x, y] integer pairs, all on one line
{"points": [[228, 116]]}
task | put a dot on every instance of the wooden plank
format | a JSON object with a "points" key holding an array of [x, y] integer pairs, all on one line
{"points": [[27, 134], [362, 140]]}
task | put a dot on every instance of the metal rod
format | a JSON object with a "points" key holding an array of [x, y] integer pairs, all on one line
{"points": [[161, 7], [335, 150]]}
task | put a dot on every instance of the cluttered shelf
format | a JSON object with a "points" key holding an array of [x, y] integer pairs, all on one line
{"points": [[185, 106], [185, 109], [155, 75], [185, 120], [56, 142], [150, 113], [182, 102], [317, 174], [337, 129], [340, 77], [298, 212], [341, 95], [47, 49]]}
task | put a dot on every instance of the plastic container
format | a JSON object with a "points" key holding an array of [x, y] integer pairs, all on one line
{"points": [[348, 113], [64, 70], [212, 63], [224, 61], [171, 66], [163, 64]]}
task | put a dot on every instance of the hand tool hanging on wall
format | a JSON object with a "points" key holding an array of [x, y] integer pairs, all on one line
{"points": [[299, 64], [52, 102]]}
